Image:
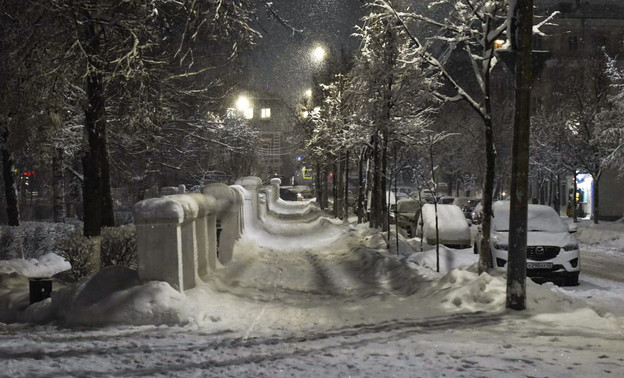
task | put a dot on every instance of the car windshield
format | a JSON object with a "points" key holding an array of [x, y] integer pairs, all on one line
{"points": [[540, 219], [408, 207]]}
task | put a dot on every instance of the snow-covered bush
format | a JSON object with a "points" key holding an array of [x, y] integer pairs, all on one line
{"points": [[78, 250], [119, 246], [32, 239], [10, 243]]}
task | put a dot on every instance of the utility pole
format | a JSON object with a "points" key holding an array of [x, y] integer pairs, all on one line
{"points": [[521, 25]]}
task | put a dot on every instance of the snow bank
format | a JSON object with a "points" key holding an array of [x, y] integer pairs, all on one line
{"points": [[607, 234], [44, 266]]}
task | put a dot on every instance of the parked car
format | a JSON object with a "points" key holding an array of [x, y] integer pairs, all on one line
{"points": [[477, 213], [552, 252], [446, 200], [406, 214], [453, 229], [426, 195], [467, 205]]}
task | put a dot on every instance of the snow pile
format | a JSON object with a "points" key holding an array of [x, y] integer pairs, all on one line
{"points": [[607, 234], [44, 266]]}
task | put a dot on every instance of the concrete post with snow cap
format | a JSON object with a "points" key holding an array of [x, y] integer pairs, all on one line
{"points": [[275, 190], [206, 232], [240, 200], [228, 215], [159, 240], [252, 185], [188, 233]]}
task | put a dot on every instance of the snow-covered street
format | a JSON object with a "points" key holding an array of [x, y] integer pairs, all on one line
{"points": [[340, 305]]}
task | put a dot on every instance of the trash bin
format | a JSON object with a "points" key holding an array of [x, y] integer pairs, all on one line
{"points": [[40, 288]]}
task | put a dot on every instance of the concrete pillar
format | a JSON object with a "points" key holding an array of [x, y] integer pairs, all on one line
{"points": [[188, 234], [159, 241], [275, 190], [206, 230], [252, 185], [239, 191], [228, 215]]}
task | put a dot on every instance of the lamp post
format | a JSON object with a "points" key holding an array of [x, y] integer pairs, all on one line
{"points": [[318, 54], [244, 106]]}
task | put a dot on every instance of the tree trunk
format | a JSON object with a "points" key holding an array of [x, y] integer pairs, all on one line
{"points": [[361, 209], [574, 201], [596, 198], [97, 196], [58, 185], [485, 256], [325, 187], [10, 186], [375, 210], [340, 188], [385, 215], [318, 188], [516, 263], [557, 196], [335, 190], [346, 187]]}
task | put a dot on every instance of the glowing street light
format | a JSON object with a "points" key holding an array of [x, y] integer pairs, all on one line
{"points": [[318, 54], [242, 103], [308, 93]]}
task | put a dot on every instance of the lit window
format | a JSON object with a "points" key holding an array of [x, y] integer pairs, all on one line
{"points": [[249, 113], [265, 113]]}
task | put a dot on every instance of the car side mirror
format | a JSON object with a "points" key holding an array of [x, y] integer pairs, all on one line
{"points": [[572, 228]]}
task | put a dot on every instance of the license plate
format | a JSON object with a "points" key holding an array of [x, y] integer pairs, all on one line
{"points": [[539, 265]]}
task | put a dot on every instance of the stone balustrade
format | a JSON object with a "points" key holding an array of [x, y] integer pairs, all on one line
{"points": [[177, 234]]}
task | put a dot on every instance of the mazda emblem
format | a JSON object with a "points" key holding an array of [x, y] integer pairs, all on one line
{"points": [[539, 250]]}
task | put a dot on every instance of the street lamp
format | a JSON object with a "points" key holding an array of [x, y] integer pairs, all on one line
{"points": [[244, 106], [242, 103], [318, 54]]}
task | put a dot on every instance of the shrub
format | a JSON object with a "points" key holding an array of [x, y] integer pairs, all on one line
{"points": [[78, 250], [119, 246], [10, 243], [32, 239]]}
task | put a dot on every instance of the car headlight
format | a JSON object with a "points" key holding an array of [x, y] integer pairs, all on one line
{"points": [[501, 246], [571, 246]]}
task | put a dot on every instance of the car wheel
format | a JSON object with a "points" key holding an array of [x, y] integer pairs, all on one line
{"points": [[571, 280]]}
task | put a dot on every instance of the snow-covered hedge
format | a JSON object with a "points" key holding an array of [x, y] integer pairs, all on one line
{"points": [[118, 249], [119, 246], [32, 239]]}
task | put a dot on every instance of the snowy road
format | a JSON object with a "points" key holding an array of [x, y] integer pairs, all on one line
{"points": [[463, 345]]}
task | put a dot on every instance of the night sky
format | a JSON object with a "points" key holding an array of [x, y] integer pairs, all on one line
{"points": [[281, 62]]}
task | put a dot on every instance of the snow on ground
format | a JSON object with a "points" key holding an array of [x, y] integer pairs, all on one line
{"points": [[313, 298]]}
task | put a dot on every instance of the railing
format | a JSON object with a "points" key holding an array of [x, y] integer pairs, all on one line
{"points": [[177, 234]]}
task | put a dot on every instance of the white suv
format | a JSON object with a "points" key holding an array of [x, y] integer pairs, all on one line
{"points": [[552, 252]]}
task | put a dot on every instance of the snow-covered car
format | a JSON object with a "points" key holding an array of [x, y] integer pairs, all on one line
{"points": [[453, 229], [406, 215], [552, 252]]}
